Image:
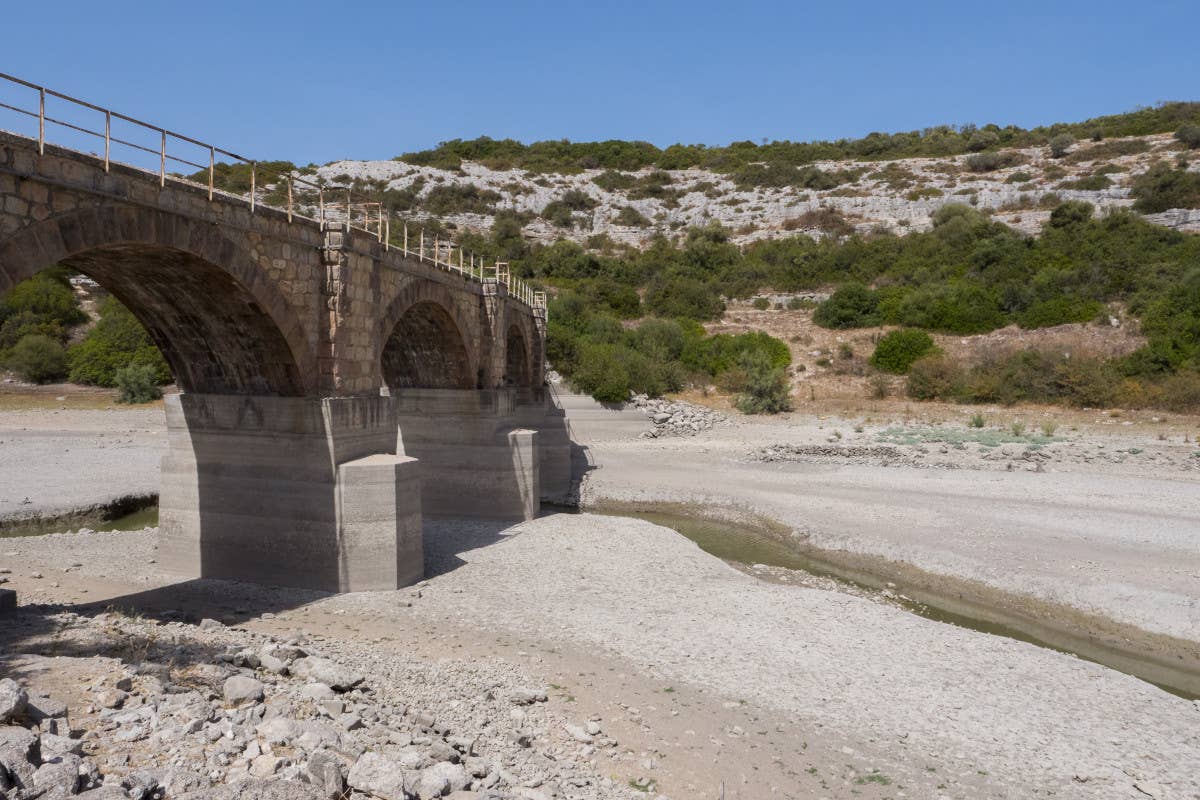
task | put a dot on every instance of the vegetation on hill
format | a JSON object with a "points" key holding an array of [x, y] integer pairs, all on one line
{"points": [[967, 275], [782, 157]]}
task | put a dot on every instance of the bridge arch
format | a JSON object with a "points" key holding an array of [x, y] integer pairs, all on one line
{"points": [[221, 327], [427, 341]]}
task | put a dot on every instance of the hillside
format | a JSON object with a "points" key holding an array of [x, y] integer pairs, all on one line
{"points": [[632, 192]]}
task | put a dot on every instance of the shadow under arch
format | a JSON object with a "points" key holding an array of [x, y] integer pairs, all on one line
{"points": [[222, 328], [425, 350], [516, 358]]}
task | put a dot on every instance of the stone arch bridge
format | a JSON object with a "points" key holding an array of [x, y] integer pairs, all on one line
{"points": [[333, 387]]}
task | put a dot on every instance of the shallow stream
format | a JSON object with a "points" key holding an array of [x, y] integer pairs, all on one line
{"points": [[749, 544]]}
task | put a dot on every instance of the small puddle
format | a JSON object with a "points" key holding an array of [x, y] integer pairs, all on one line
{"points": [[127, 514], [748, 543]]}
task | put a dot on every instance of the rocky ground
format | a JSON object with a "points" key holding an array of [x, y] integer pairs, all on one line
{"points": [[674, 418], [899, 195], [113, 705]]}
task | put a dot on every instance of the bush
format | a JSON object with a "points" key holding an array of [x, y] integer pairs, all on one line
{"points": [[1060, 145], [934, 378], [38, 359], [683, 298], [761, 303], [631, 217], [766, 389], [853, 305], [1058, 311], [1189, 135], [989, 162], [118, 340], [1161, 188], [46, 297], [138, 384], [899, 350]]}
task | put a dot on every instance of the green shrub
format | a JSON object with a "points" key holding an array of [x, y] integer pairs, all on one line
{"points": [[761, 303], [630, 216], [683, 298], [1092, 183], [24, 323], [1161, 188], [990, 162], [1058, 311], [934, 378], [602, 371], [853, 305], [118, 340], [138, 384], [47, 297], [1060, 145], [899, 350], [766, 389], [38, 359], [464, 198], [1189, 135]]}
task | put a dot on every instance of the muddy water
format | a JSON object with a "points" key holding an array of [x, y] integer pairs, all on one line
{"points": [[760, 543], [122, 516]]}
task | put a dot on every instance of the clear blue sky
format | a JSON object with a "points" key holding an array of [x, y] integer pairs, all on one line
{"points": [[312, 81]]}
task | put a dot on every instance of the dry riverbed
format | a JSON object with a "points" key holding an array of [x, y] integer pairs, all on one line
{"points": [[690, 672]]}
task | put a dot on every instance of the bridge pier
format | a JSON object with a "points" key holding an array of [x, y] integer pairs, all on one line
{"points": [[302, 492], [476, 456]]}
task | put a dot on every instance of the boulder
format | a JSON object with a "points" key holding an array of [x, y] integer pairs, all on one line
{"points": [[377, 774], [323, 670], [240, 689], [13, 699], [324, 771], [59, 774], [441, 779]]}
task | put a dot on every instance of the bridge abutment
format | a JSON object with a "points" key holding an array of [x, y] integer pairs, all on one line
{"points": [[302, 492]]}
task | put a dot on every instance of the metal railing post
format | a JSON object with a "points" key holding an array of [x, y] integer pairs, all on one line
{"points": [[162, 162], [212, 163], [437, 247], [321, 202], [421, 255], [41, 122], [381, 222], [405, 238], [253, 184], [387, 235], [289, 182], [107, 137]]}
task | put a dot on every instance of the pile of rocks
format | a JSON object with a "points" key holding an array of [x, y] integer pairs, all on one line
{"points": [[217, 713], [675, 418]]}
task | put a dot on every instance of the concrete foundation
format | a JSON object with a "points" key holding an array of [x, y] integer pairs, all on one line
{"points": [[477, 456], [299, 492]]}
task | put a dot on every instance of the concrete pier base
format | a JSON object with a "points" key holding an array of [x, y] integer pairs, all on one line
{"points": [[478, 457], [301, 492]]}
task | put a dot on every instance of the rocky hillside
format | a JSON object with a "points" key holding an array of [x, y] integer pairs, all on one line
{"points": [[1018, 186]]}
